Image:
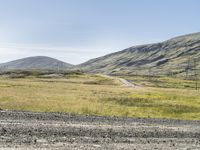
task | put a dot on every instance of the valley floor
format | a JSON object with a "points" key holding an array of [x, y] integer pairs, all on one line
{"points": [[27, 130], [101, 95]]}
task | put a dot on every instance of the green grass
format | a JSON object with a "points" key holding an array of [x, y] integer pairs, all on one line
{"points": [[162, 81], [97, 95]]}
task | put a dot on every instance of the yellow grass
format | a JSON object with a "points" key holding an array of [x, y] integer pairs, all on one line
{"points": [[90, 94]]}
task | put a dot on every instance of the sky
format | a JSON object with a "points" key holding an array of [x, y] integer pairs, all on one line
{"points": [[75, 31]]}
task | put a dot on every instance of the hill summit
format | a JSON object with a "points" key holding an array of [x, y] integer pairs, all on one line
{"points": [[37, 62]]}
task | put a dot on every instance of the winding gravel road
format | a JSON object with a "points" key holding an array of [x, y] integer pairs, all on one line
{"points": [[124, 82], [27, 130]]}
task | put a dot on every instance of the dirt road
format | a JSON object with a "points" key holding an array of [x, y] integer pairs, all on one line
{"points": [[124, 82], [26, 130]]}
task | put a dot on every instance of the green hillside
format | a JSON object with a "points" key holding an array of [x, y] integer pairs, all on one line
{"points": [[177, 56]]}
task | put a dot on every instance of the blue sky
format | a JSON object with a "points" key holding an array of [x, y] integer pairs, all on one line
{"points": [[77, 30]]}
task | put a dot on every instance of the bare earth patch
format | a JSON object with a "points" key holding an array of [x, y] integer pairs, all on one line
{"points": [[27, 130]]}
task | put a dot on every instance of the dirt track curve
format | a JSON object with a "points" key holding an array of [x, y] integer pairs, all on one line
{"points": [[123, 81], [26, 130]]}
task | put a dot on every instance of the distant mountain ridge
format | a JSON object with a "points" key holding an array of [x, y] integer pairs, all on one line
{"points": [[171, 56], [37, 62]]}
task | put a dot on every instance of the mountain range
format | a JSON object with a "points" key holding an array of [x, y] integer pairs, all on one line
{"points": [[174, 56]]}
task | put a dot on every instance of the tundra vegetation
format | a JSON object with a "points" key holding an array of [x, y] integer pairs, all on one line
{"points": [[92, 94]]}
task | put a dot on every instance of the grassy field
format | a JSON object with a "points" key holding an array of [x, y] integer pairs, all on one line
{"points": [[162, 82], [97, 95]]}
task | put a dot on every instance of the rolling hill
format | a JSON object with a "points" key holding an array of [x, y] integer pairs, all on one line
{"points": [[37, 62], [175, 56], [178, 56]]}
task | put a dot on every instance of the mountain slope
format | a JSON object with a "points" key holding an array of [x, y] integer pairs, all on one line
{"points": [[37, 62], [171, 56]]}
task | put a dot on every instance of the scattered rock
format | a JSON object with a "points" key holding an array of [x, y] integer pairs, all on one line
{"points": [[27, 130]]}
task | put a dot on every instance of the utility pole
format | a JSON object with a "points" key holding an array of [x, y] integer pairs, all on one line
{"points": [[187, 68], [149, 73], [195, 74]]}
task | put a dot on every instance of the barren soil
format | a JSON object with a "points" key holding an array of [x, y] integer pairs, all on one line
{"points": [[27, 130]]}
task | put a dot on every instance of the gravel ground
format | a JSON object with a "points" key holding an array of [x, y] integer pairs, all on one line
{"points": [[27, 130]]}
